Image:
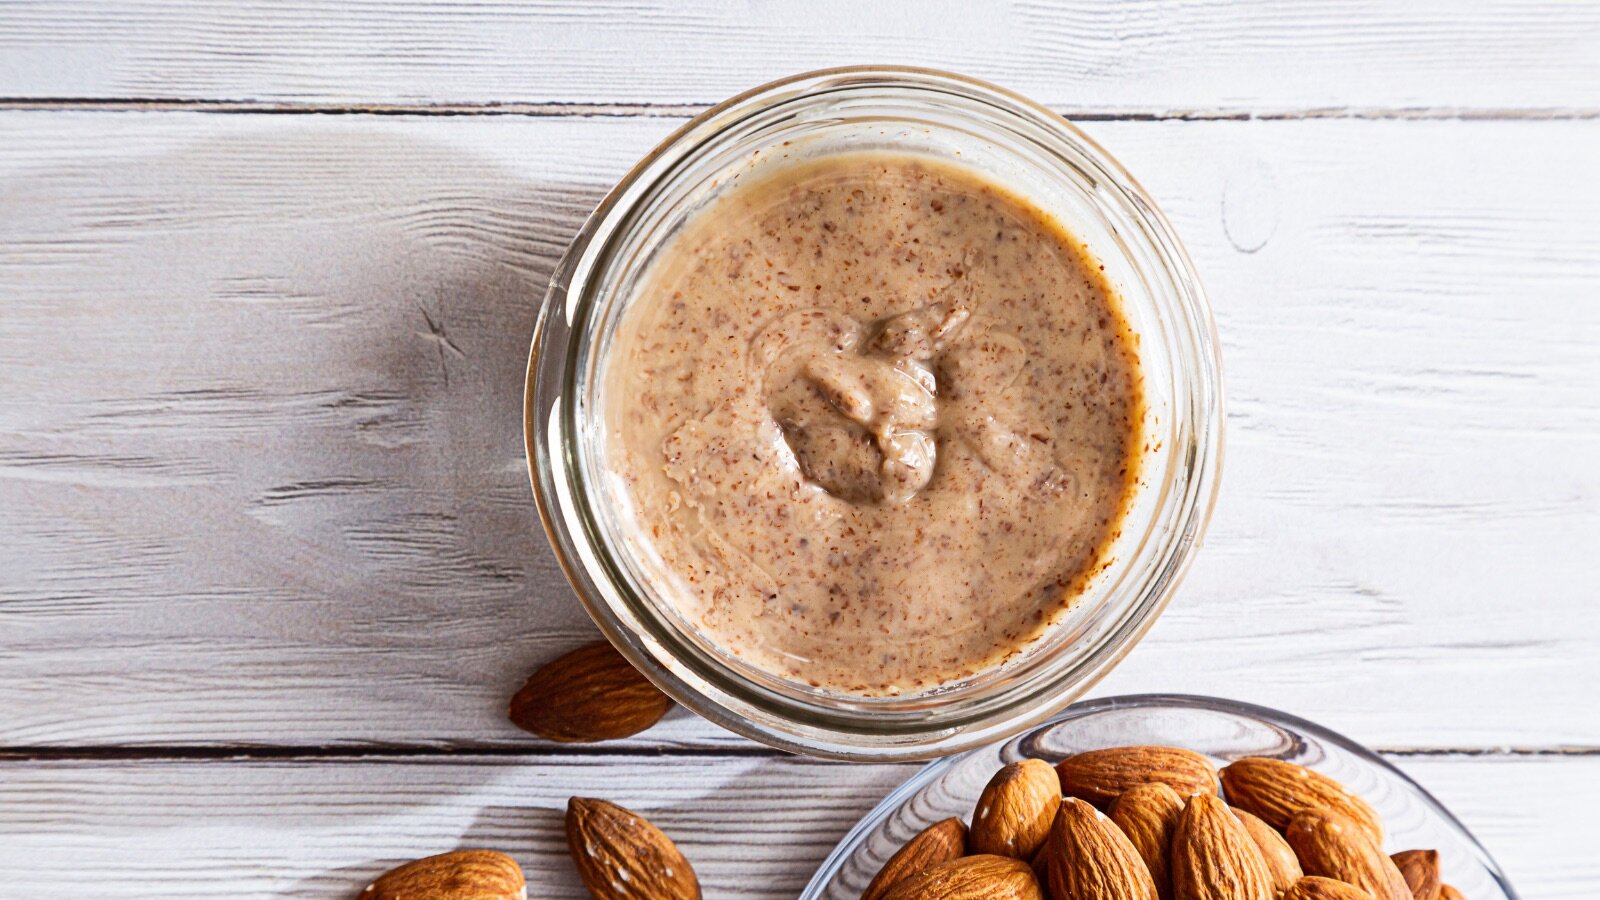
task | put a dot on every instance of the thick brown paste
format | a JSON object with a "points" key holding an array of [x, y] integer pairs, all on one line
{"points": [[878, 418]]}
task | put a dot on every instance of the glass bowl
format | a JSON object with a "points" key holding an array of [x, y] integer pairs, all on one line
{"points": [[1224, 730], [1029, 150]]}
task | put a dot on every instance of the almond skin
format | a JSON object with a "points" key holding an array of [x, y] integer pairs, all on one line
{"points": [[1214, 857], [1447, 892], [938, 843], [1091, 859], [1148, 814], [1100, 776], [1040, 864], [1016, 809], [462, 875], [1420, 869], [1334, 846], [1277, 791], [981, 877], [1281, 862], [1313, 887], [590, 694], [621, 856]]}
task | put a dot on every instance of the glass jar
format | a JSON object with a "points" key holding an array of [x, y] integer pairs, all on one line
{"points": [[1010, 140]]}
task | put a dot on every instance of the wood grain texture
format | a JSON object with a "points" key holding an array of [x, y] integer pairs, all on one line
{"points": [[754, 827], [262, 470], [1149, 56]]}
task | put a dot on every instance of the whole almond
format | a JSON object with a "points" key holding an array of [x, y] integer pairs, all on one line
{"points": [[1214, 857], [1091, 859], [1313, 887], [1446, 892], [1277, 791], [619, 854], [1016, 808], [1334, 846], [1279, 856], [981, 877], [462, 875], [1148, 814], [938, 843], [1100, 776], [1420, 869], [590, 694]]}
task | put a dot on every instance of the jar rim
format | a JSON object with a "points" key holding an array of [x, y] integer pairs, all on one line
{"points": [[864, 728]]}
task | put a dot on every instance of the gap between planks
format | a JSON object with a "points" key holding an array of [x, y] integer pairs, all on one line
{"points": [[684, 110], [245, 754]]}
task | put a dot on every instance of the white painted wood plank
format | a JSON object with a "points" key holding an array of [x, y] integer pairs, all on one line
{"points": [[752, 826], [251, 494], [1144, 56]]}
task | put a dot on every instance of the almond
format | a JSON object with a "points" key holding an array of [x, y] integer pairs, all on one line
{"points": [[1214, 857], [938, 843], [1314, 887], [1277, 791], [1040, 864], [1420, 869], [1091, 859], [1147, 814], [1334, 846], [590, 694], [1015, 810], [1279, 856], [1446, 892], [462, 875], [981, 877], [619, 854], [1099, 776]]}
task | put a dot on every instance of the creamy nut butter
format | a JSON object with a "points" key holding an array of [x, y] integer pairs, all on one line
{"points": [[878, 419]]}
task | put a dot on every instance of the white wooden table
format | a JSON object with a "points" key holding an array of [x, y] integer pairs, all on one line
{"points": [[269, 567]]}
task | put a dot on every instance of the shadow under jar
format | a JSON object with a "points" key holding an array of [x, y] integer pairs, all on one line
{"points": [[941, 123]]}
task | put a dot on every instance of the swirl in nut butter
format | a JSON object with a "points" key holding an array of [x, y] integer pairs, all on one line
{"points": [[878, 420]]}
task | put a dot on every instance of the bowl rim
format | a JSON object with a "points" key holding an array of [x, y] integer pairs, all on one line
{"points": [[892, 801]]}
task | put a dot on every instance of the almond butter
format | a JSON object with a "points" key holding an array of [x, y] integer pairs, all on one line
{"points": [[1315, 887], [1277, 791], [981, 877], [1446, 892], [590, 694], [621, 855], [1148, 814], [1335, 846], [1016, 808], [1099, 776], [1091, 859], [938, 843], [1214, 857], [1279, 856], [461, 875], [1420, 869]]}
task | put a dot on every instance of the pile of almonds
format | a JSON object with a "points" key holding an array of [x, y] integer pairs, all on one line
{"points": [[1151, 823]]}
